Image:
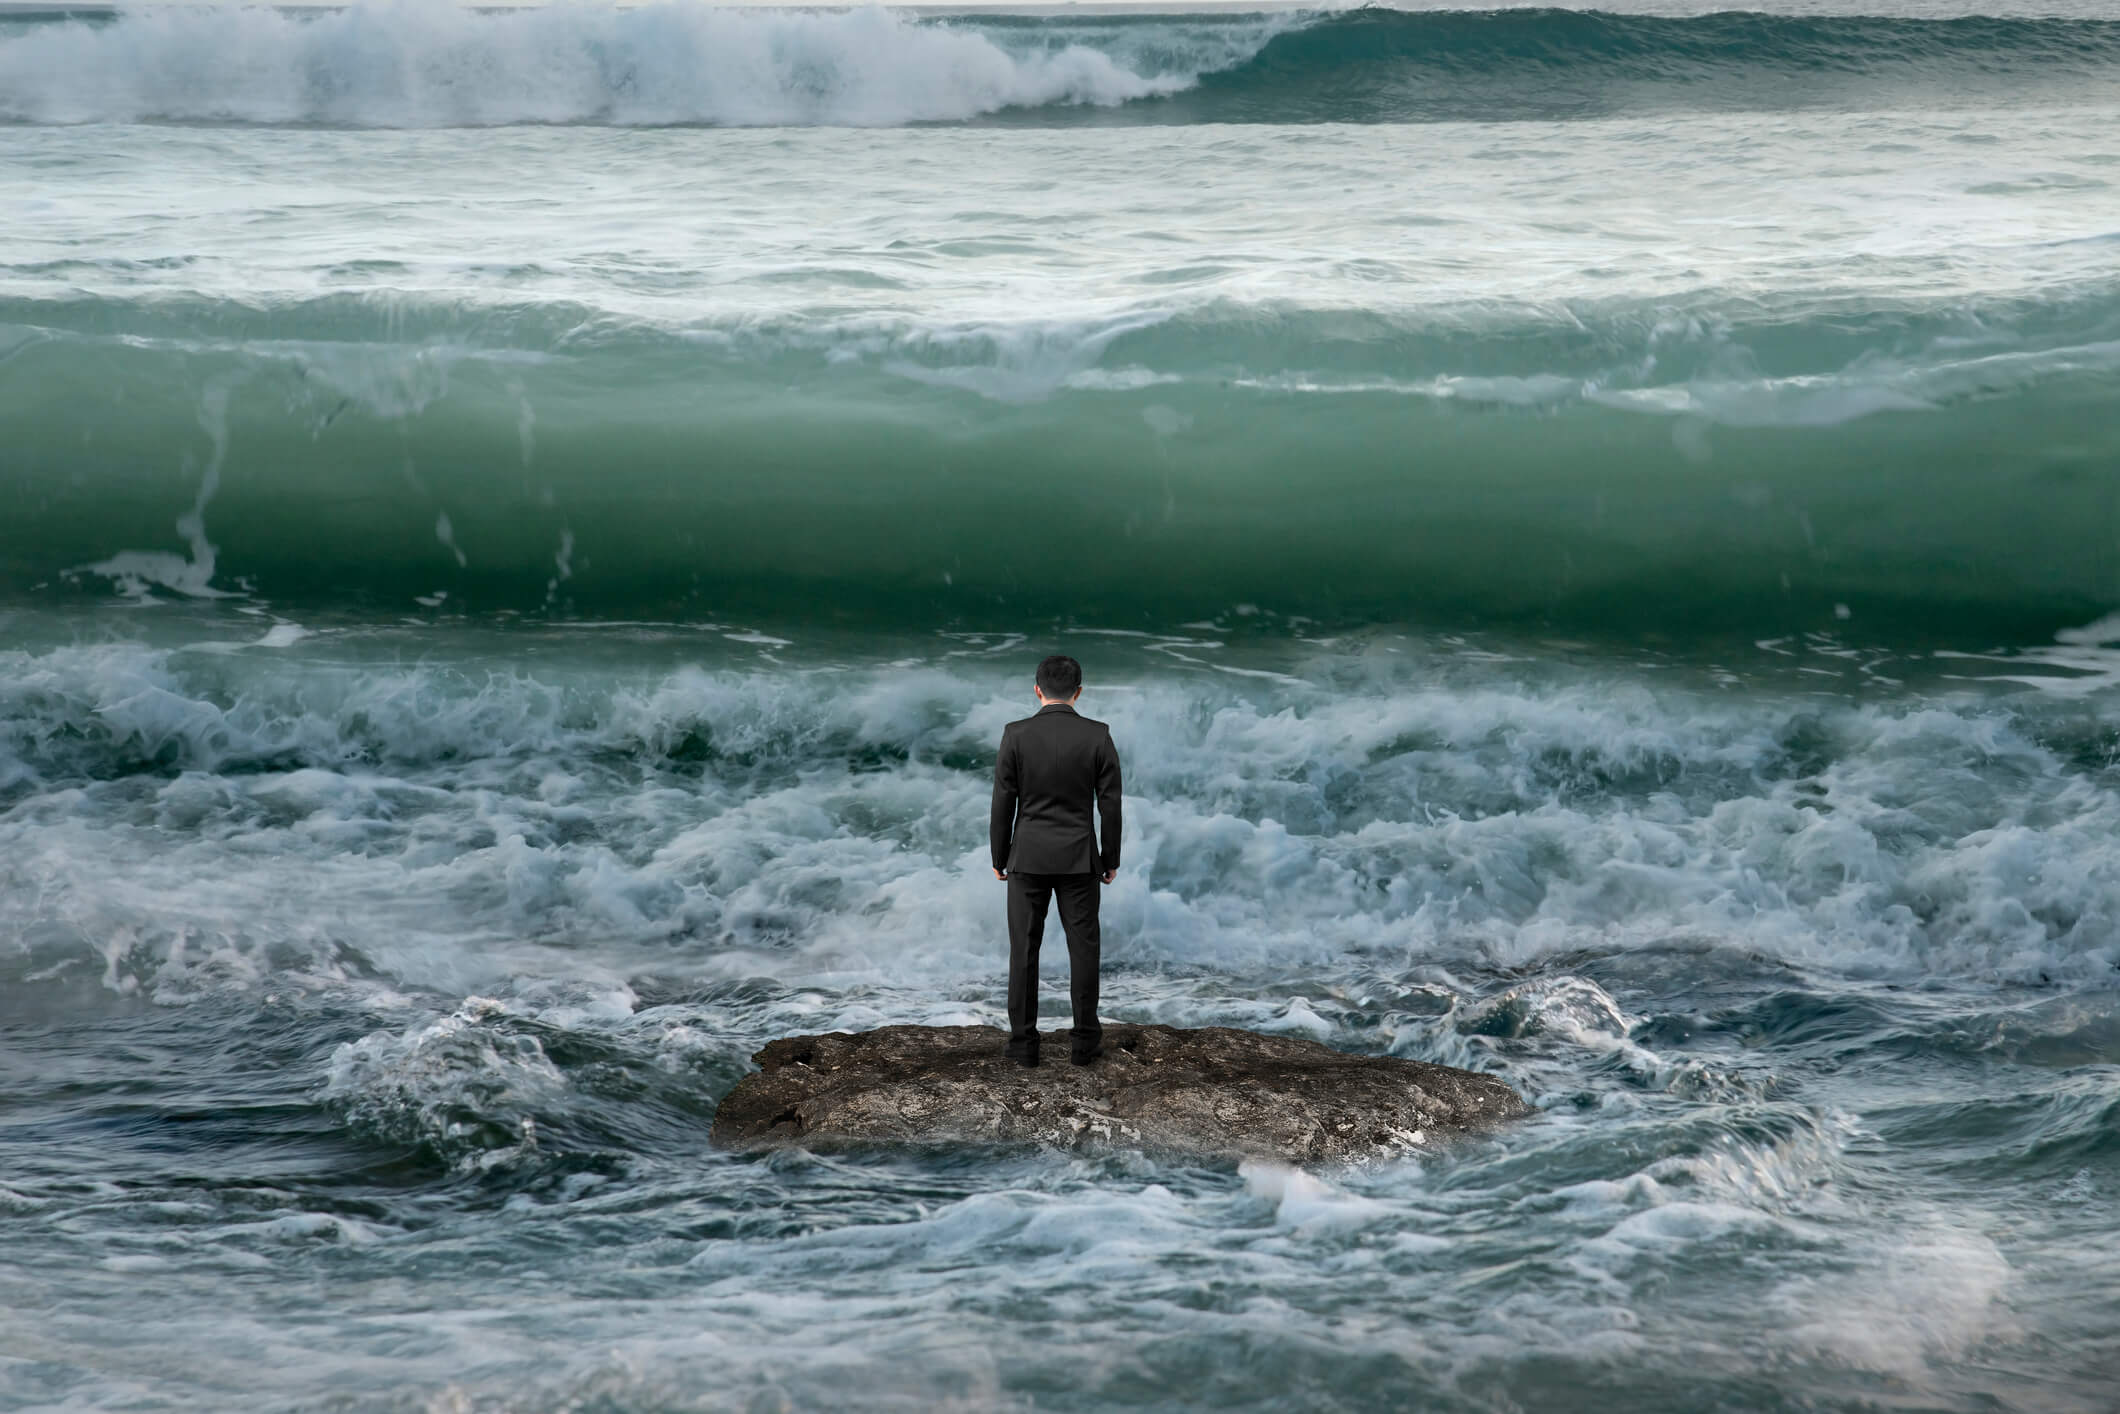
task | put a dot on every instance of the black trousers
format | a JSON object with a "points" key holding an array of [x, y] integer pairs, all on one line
{"points": [[1028, 897]]}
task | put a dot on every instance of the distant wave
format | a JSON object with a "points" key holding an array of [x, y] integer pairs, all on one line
{"points": [[424, 65], [1614, 465], [1382, 65]]}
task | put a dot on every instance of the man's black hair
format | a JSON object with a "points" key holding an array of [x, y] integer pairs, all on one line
{"points": [[1060, 677]]}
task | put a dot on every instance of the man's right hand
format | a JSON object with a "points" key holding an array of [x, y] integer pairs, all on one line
{"points": [[1110, 874]]}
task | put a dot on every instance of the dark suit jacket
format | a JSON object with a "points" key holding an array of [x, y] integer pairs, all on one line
{"points": [[1050, 769]]}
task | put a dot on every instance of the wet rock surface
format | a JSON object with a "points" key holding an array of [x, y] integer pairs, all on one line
{"points": [[1209, 1092]]}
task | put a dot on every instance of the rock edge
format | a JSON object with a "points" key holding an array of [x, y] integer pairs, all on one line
{"points": [[1212, 1092]]}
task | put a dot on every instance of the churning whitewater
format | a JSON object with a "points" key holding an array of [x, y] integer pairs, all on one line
{"points": [[1595, 531]]}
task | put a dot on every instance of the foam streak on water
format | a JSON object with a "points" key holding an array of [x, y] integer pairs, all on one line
{"points": [[1594, 532]]}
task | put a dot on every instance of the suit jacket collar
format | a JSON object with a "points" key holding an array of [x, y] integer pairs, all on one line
{"points": [[1056, 707]]}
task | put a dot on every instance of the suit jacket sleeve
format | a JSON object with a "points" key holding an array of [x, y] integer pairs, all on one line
{"points": [[1001, 825], [1108, 803]]}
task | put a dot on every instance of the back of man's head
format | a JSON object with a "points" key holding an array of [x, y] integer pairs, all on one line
{"points": [[1059, 677]]}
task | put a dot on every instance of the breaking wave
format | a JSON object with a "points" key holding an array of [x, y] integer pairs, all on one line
{"points": [[418, 65], [1624, 466], [1443, 810], [413, 65]]}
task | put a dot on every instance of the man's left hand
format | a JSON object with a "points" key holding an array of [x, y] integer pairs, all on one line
{"points": [[1002, 875]]}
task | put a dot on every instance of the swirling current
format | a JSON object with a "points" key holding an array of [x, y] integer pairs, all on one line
{"points": [[1596, 532]]}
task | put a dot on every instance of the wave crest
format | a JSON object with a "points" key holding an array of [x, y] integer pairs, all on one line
{"points": [[416, 66], [396, 63]]}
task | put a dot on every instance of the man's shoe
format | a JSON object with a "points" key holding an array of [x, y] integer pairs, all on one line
{"points": [[1084, 1057], [1027, 1059]]}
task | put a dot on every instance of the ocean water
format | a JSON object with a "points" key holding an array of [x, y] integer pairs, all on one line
{"points": [[1597, 533]]}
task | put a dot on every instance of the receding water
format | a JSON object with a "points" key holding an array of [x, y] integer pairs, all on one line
{"points": [[1594, 534]]}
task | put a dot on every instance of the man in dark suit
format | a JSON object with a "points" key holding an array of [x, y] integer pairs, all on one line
{"points": [[1051, 769]]}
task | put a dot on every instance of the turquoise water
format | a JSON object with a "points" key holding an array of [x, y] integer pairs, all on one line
{"points": [[1595, 533]]}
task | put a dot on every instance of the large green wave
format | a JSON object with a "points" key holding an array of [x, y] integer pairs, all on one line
{"points": [[1598, 470]]}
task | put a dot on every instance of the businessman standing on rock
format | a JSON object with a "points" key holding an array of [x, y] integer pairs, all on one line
{"points": [[1051, 769]]}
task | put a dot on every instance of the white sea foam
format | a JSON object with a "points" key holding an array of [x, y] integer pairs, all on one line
{"points": [[133, 570], [458, 1084], [1927, 1299], [1308, 1204], [448, 827], [402, 63]]}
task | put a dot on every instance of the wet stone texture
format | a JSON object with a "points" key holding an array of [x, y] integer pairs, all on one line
{"points": [[1211, 1092]]}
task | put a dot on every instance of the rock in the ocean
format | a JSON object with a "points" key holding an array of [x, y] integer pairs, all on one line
{"points": [[1208, 1092]]}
